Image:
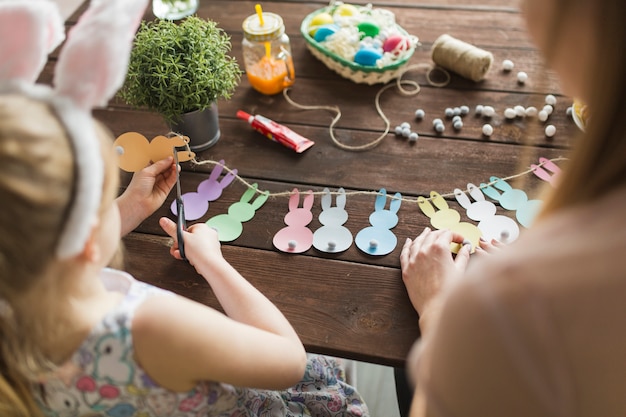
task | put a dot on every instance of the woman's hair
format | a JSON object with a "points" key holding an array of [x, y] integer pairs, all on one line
{"points": [[37, 172], [597, 164]]}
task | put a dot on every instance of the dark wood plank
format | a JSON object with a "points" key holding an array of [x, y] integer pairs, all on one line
{"points": [[356, 311]]}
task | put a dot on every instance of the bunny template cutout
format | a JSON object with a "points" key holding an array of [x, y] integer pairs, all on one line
{"points": [[135, 152], [230, 226], [447, 218], [512, 199], [547, 171], [378, 239], [491, 225], [197, 203], [296, 237], [333, 237], [90, 69]]}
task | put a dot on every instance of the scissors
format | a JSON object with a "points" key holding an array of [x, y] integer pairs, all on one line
{"points": [[180, 209]]}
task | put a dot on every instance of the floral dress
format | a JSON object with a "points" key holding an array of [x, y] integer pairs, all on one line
{"points": [[103, 379]]}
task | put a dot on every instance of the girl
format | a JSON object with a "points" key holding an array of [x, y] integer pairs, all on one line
{"points": [[539, 328], [78, 338]]}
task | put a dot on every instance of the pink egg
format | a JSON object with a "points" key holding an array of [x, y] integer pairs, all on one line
{"points": [[396, 44]]}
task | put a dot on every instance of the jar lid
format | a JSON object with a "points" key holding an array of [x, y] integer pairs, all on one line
{"points": [[272, 27]]}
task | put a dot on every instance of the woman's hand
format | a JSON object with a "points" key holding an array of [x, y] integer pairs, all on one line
{"points": [[146, 192], [427, 264]]}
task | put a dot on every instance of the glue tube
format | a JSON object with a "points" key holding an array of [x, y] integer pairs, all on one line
{"points": [[277, 132]]}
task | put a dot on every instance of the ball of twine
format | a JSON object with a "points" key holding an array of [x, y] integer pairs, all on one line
{"points": [[461, 57]]}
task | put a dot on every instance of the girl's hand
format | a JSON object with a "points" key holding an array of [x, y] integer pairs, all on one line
{"points": [[146, 192], [427, 264], [201, 242]]}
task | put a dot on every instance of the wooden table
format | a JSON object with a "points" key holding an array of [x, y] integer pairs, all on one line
{"points": [[352, 304]]}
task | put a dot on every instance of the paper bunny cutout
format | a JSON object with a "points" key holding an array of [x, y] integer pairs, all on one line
{"points": [[135, 151], [230, 226], [491, 225], [197, 203], [296, 237], [447, 218], [512, 199], [332, 237], [551, 172], [90, 68], [378, 239]]}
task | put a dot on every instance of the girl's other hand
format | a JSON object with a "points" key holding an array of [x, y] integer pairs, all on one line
{"points": [[201, 242], [146, 192]]}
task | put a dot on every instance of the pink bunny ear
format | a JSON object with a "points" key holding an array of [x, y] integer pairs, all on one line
{"points": [[29, 30], [93, 63]]}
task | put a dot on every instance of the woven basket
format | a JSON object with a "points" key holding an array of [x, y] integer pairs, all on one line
{"points": [[351, 70]]}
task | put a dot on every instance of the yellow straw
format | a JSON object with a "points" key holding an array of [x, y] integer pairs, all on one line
{"points": [[259, 13]]}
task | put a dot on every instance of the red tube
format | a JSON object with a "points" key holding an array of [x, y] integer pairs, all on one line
{"points": [[276, 132]]}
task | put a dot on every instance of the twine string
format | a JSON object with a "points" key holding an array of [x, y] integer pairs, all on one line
{"points": [[247, 184]]}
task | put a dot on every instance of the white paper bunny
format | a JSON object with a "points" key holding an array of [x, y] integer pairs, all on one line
{"points": [[296, 237], [378, 239], [333, 237], [512, 199], [446, 218], [492, 225], [90, 69]]}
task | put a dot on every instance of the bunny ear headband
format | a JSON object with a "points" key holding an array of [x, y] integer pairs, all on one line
{"points": [[90, 69]]}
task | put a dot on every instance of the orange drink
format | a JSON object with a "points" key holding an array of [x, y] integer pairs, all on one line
{"points": [[270, 76]]}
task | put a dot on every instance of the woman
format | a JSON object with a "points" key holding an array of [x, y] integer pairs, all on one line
{"points": [[540, 329]]}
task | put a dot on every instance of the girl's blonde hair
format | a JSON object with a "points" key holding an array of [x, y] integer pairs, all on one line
{"points": [[37, 184], [597, 165]]}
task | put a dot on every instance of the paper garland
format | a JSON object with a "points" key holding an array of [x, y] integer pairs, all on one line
{"points": [[332, 237]]}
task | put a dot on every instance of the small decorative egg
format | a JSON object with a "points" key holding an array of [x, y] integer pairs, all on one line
{"points": [[319, 20], [346, 10], [325, 31], [396, 44], [367, 56], [368, 29], [323, 18]]}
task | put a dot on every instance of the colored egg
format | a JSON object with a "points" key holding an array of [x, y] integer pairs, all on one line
{"points": [[368, 29], [367, 57], [325, 31], [396, 44], [319, 20], [346, 10]]}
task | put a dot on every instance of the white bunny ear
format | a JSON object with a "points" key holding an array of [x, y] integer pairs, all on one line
{"points": [[29, 31], [462, 198], [93, 63]]}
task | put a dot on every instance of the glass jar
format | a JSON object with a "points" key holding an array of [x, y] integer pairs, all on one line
{"points": [[267, 53], [174, 9]]}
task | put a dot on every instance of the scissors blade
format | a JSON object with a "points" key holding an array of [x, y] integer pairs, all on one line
{"points": [[180, 210]]}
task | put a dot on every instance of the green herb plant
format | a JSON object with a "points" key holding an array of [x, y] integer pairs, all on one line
{"points": [[177, 68]]}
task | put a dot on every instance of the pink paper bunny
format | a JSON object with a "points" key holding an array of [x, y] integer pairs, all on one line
{"points": [[197, 203], [547, 171], [296, 237], [90, 69], [332, 237]]}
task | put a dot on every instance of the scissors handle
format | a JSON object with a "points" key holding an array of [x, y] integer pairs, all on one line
{"points": [[180, 226]]}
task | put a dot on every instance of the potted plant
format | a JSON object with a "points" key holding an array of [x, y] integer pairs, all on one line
{"points": [[180, 70]]}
